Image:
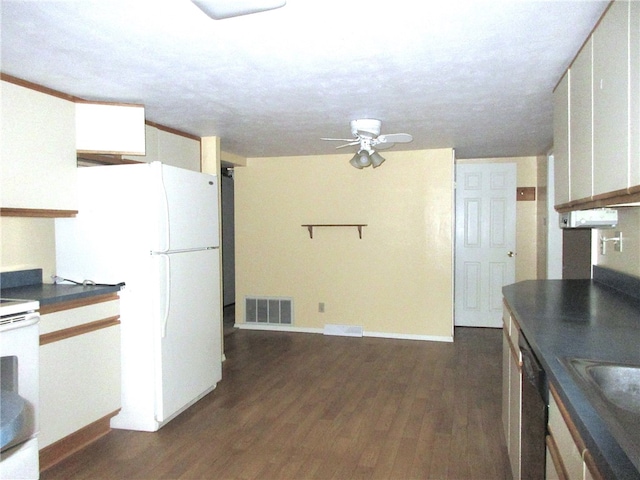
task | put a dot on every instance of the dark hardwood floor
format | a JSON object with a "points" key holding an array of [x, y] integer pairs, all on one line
{"points": [[304, 406]]}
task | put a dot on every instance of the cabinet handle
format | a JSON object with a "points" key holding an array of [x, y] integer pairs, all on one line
{"points": [[59, 335], [511, 254]]}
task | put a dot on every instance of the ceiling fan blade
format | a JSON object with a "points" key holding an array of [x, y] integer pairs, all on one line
{"points": [[350, 144], [383, 145], [395, 138], [339, 139]]}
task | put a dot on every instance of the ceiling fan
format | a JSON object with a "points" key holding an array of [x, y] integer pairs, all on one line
{"points": [[366, 134]]}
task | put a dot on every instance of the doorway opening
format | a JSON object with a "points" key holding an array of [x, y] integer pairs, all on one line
{"points": [[228, 250]]}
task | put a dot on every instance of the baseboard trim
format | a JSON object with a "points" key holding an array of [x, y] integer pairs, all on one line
{"points": [[67, 446], [276, 328], [397, 336], [407, 336]]}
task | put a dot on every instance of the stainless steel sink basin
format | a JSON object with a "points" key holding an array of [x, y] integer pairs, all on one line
{"points": [[620, 384], [614, 391]]}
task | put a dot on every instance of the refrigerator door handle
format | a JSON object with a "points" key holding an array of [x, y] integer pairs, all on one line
{"points": [[166, 292], [164, 215]]}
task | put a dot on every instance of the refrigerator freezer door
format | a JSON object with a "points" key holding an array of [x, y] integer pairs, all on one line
{"points": [[189, 353], [188, 209]]}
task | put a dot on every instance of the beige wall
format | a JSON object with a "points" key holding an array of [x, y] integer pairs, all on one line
{"points": [[627, 261], [27, 243], [542, 216], [396, 280], [526, 215]]}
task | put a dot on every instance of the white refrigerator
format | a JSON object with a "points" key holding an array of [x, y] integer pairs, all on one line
{"points": [[154, 227]]}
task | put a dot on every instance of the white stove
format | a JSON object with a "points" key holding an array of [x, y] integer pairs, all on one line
{"points": [[19, 379]]}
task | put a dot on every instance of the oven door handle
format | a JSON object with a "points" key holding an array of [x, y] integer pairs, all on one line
{"points": [[532, 372], [527, 364]]}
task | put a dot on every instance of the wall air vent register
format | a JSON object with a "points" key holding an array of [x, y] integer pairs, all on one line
{"points": [[269, 310]]}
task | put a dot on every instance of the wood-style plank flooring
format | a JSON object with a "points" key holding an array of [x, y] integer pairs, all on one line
{"points": [[308, 406]]}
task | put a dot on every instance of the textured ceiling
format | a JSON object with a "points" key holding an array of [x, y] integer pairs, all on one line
{"points": [[473, 75]]}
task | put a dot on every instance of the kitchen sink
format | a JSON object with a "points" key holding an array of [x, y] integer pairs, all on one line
{"points": [[620, 384], [614, 391]]}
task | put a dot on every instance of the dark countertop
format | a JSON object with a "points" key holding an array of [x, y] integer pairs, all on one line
{"points": [[584, 319], [27, 285], [48, 294]]}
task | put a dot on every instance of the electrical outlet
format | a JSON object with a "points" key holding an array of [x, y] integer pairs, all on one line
{"points": [[617, 243], [321, 307], [617, 246]]}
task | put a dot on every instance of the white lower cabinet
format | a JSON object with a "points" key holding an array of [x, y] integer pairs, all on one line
{"points": [[79, 374], [512, 391], [567, 456]]}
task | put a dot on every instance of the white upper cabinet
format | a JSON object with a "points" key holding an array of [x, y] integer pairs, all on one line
{"points": [[179, 151], [38, 168], [108, 128], [171, 149], [611, 100], [581, 124], [561, 140], [602, 110]]}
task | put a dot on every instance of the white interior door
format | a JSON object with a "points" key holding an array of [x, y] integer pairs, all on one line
{"points": [[485, 241]]}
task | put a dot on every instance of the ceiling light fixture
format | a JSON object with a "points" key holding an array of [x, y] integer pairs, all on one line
{"points": [[219, 9], [365, 158]]}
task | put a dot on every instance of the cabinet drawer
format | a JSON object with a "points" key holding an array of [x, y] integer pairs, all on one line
{"points": [[74, 317]]}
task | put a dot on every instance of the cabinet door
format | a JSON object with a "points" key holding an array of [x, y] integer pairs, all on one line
{"points": [[38, 150], [506, 355], [581, 125], [79, 382], [515, 401], [110, 128], [634, 100], [561, 140], [150, 147], [79, 367], [567, 449], [554, 470], [170, 149], [611, 100], [178, 151]]}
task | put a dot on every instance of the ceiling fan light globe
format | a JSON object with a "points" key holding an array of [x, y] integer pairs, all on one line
{"points": [[376, 159], [354, 162], [363, 159]]}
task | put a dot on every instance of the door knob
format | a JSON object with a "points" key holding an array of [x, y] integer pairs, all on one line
{"points": [[510, 254]]}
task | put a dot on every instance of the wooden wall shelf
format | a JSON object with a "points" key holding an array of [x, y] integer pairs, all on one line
{"points": [[36, 212], [311, 226]]}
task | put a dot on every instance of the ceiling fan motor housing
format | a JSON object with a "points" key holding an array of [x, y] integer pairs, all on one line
{"points": [[367, 126]]}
